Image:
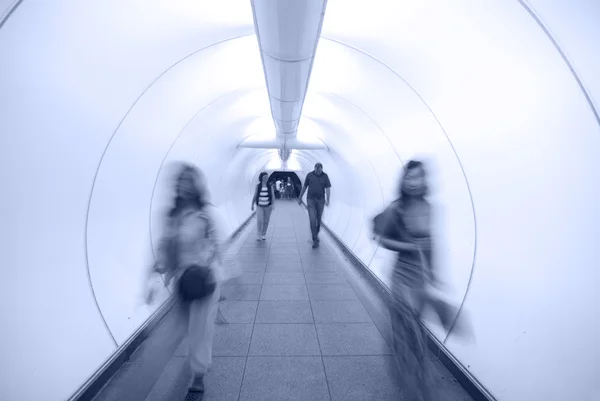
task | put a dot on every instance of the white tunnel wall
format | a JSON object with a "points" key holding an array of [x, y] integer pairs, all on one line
{"points": [[507, 125], [72, 83], [477, 88]]}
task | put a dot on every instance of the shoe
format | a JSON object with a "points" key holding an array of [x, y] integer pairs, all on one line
{"points": [[264, 237], [197, 385], [315, 244]]}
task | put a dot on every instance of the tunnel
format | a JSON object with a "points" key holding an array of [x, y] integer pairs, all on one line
{"points": [[283, 176], [99, 98]]}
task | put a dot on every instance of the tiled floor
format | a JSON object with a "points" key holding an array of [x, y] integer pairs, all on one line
{"points": [[291, 328]]}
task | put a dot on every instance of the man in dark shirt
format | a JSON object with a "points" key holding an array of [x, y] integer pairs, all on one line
{"points": [[318, 195]]}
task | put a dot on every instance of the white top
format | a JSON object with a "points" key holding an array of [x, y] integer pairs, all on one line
{"points": [[194, 248], [263, 196]]}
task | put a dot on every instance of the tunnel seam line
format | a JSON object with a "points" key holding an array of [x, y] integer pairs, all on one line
{"points": [[389, 142], [91, 196], [371, 164], [168, 152], [10, 10], [459, 163], [564, 57]]}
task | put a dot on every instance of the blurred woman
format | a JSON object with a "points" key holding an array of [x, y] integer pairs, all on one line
{"points": [[193, 240], [263, 198], [405, 227]]}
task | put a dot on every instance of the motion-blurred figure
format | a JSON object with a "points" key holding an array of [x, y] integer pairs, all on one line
{"points": [[263, 198], [405, 227], [319, 193], [191, 255]]}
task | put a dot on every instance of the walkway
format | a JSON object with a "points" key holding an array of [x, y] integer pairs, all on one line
{"points": [[292, 327]]}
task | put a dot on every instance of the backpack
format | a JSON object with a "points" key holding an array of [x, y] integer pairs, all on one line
{"points": [[386, 223], [197, 280]]}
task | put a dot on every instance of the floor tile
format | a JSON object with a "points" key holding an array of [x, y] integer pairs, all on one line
{"points": [[331, 292], [284, 278], [248, 278], [325, 278], [351, 339], [284, 379], [240, 292], [287, 292], [238, 311], [273, 259], [284, 312], [284, 340], [285, 267], [361, 378], [339, 312]]}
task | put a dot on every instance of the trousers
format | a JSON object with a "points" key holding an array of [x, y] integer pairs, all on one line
{"points": [[315, 212], [199, 317], [263, 216]]}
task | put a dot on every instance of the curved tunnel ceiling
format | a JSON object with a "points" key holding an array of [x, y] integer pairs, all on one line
{"points": [[100, 96]]}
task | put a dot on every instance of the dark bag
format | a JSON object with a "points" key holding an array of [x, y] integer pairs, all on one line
{"points": [[385, 224], [197, 282]]}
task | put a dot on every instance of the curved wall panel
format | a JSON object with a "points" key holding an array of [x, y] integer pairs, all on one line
{"points": [[66, 91], [118, 242], [510, 108]]}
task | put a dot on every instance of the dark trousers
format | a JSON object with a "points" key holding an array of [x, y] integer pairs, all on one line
{"points": [[315, 212]]}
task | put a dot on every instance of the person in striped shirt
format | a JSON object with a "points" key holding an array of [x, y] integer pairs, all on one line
{"points": [[263, 198]]}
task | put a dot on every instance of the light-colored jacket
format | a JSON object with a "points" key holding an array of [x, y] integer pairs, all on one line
{"points": [[195, 248]]}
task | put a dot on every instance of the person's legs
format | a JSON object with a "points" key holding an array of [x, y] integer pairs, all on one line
{"points": [[200, 334], [409, 344], [320, 205], [267, 217], [260, 217], [312, 216]]}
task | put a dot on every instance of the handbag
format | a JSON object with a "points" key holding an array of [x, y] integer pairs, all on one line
{"points": [[385, 224]]}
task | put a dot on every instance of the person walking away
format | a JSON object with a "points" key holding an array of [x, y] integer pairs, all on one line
{"points": [[263, 198], [319, 192], [191, 255], [289, 188]]}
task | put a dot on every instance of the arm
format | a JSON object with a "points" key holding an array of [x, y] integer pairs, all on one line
{"points": [[327, 195], [397, 246], [304, 187], [254, 199]]}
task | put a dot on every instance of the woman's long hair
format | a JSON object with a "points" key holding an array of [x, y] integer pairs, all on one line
{"points": [[260, 176], [197, 199]]}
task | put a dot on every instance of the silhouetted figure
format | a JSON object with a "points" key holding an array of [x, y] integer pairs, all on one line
{"points": [[190, 254], [405, 227], [319, 192], [289, 188], [263, 198]]}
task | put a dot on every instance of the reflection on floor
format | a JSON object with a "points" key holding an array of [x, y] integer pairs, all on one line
{"points": [[292, 327]]}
